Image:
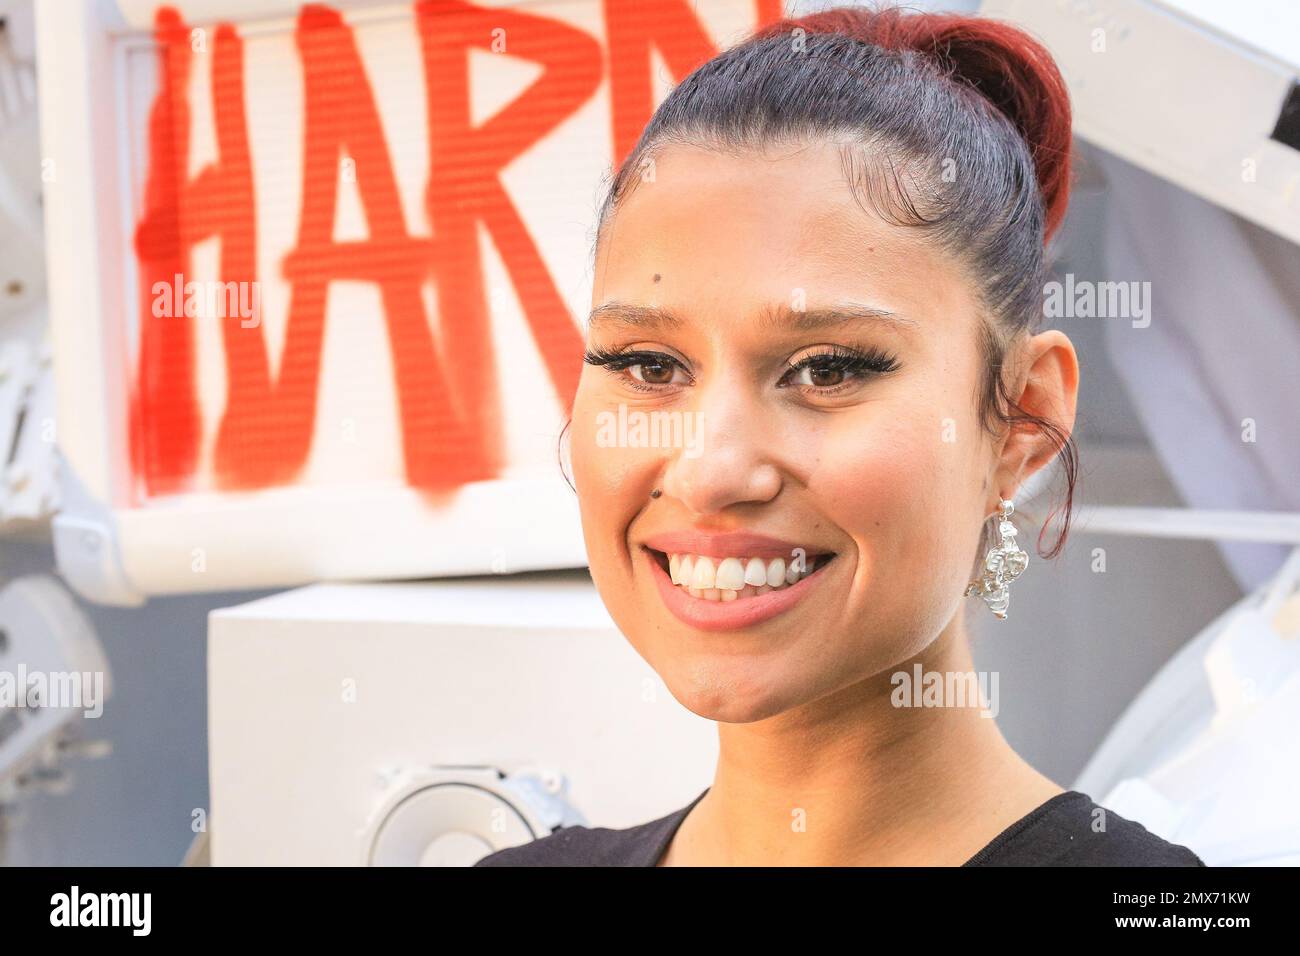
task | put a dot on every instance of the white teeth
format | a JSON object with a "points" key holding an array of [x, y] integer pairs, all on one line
{"points": [[776, 573], [703, 576], [730, 576], [729, 579]]}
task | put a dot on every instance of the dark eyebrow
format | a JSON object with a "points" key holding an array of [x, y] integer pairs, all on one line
{"points": [[649, 317], [656, 318], [812, 320]]}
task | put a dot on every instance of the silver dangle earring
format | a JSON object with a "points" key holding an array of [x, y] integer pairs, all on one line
{"points": [[1002, 564]]}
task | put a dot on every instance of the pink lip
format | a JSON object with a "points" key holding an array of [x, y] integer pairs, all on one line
{"points": [[731, 544], [727, 615]]}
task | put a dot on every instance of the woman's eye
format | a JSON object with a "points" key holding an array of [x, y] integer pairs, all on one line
{"points": [[645, 370], [653, 373], [837, 369], [819, 376]]}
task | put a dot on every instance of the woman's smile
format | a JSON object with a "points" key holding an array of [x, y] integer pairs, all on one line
{"points": [[731, 581], [707, 612]]}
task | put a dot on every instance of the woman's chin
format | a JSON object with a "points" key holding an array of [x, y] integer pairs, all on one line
{"points": [[719, 695]]}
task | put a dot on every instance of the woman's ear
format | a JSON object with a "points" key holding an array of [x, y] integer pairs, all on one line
{"points": [[1047, 386]]}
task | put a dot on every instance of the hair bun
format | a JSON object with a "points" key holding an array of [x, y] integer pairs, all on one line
{"points": [[1004, 64]]}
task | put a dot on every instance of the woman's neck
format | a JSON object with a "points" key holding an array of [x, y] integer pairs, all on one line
{"points": [[855, 779]]}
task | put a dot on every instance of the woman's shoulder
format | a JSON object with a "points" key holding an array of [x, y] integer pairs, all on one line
{"points": [[1071, 829], [641, 845]]}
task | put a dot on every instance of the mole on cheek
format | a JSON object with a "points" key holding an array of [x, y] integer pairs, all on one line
{"points": [[658, 277]]}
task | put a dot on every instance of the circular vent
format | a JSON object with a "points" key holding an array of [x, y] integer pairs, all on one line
{"points": [[446, 825]]}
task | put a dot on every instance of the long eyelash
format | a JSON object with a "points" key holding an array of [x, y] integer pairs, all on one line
{"points": [[840, 358], [617, 360], [836, 358]]}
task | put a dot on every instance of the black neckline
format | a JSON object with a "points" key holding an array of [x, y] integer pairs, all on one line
{"points": [[1024, 823], [673, 822]]}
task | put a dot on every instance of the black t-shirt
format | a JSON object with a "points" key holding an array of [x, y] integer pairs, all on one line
{"points": [[1057, 833]]}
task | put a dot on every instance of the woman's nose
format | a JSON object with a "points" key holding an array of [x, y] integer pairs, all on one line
{"points": [[730, 463]]}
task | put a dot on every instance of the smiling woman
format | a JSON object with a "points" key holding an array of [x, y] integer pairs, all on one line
{"points": [[828, 247]]}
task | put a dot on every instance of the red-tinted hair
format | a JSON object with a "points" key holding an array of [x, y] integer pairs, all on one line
{"points": [[1002, 63]]}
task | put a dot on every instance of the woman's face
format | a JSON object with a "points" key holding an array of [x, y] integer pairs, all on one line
{"points": [[811, 386]]}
